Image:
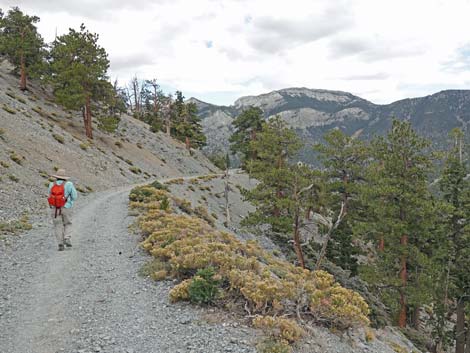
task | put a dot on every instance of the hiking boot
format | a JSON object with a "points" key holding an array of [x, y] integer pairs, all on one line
{"points": [[61, 247], [67, 243]]}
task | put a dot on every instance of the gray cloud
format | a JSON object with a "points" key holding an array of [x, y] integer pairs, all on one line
{"points": [[87, 8], [460, 62], [133, 61], [366, 77], [370, 49], [274, 35]]}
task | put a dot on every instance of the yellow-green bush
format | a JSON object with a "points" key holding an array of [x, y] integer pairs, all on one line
{"points": [[202, 212], [246, 273], [8, 109], [273, 346], [59, 138], [16, 158], [279, 327], [175, 181], [180, 291]]}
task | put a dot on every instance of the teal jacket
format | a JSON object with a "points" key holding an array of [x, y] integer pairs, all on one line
{"points": [[70, 192]]}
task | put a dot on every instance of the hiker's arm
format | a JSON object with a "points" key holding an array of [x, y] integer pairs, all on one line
{"points": [[73, 192]]}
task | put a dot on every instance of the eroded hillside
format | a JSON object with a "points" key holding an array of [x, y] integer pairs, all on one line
{"points": [[38, 136]]}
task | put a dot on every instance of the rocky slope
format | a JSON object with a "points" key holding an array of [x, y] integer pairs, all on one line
{"points": [[313, 112], [37, 136]]}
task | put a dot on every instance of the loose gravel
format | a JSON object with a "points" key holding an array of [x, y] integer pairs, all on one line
{"points": [[91, 298]]}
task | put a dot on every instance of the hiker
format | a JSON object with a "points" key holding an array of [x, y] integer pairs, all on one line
{"points": [[62, 194]]}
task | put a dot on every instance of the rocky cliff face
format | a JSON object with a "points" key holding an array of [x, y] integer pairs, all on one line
{"points": [[313, 112]]}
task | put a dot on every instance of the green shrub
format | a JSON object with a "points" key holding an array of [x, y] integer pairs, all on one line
{"points": [[84, 146], [118, 143], [273, 346], [80, 189], [8, 109], [165, 204], [16, 226], [16, 158], [2, 133], [10, 94], [13, 178], [135, 170], [203, 288], [21, 100], [39, 111], [58, 138], [219, 160], [157, 185], [139, 145], [128, 161], [108, 123], [4, 164]]}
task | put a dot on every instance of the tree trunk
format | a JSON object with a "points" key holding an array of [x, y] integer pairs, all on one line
{"points": [[226, 192], [22, 64], [168, 122], [88, 126], [416, 319], [188, 143], [308, 213], [155, 100], [467, 345], [22, 73], [381, 244], [297, 246], [460, 327], [345, 194], [403, 277]]}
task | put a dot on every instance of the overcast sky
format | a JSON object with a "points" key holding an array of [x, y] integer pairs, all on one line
{"points": [[219, 50]]}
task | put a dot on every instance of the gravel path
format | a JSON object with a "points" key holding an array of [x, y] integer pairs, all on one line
{"points": [[91, 299]]}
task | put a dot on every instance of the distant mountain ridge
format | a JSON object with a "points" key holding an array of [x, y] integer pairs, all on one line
{"points": [[312, 112]]}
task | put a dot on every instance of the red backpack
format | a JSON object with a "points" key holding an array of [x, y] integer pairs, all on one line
{"points": [[57, 197]]}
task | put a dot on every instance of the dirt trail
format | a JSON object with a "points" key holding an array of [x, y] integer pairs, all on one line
{"points": [[91, 299]]}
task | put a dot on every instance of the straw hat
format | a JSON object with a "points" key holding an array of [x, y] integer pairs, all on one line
{"points": [[61, 174]]}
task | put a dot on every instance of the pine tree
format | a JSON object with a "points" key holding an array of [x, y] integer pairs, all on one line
{"points": [[186, 124], [247, 125], [78, 72], [344, 161], [282, 185], [455, 186], [22, 44], [401, 212]]}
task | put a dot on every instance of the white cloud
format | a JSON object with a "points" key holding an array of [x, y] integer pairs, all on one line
{"points": [[221, 49]]}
